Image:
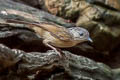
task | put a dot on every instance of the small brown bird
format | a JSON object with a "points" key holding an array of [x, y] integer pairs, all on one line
{"points": [[57, 36]]}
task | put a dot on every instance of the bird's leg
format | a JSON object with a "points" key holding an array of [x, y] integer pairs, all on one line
{"points": [[59, 50], [46, 42]]}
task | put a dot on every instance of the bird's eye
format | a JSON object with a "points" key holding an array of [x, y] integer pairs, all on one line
{"points": [[81, 34]]}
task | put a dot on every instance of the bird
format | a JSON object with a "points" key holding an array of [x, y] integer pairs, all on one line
{"points": [[56, 36]]}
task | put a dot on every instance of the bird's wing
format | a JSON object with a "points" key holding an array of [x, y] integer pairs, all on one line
{"points": [[60, 32], [57, 31]]}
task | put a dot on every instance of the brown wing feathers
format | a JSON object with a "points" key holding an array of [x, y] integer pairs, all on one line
{"points": [[46, 29]]}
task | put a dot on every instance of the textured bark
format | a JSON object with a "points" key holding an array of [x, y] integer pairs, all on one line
{"points": [[36, 65]]}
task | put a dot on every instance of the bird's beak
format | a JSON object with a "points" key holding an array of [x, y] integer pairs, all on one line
{"points": [[89, 39]]}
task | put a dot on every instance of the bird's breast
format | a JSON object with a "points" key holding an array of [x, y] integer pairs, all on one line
{"points": [[62, 44]]}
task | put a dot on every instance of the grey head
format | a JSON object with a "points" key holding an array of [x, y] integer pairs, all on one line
{"points": [[80, 34]]}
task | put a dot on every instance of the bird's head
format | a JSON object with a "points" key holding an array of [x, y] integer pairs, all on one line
{"points": [[80, 34]]}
